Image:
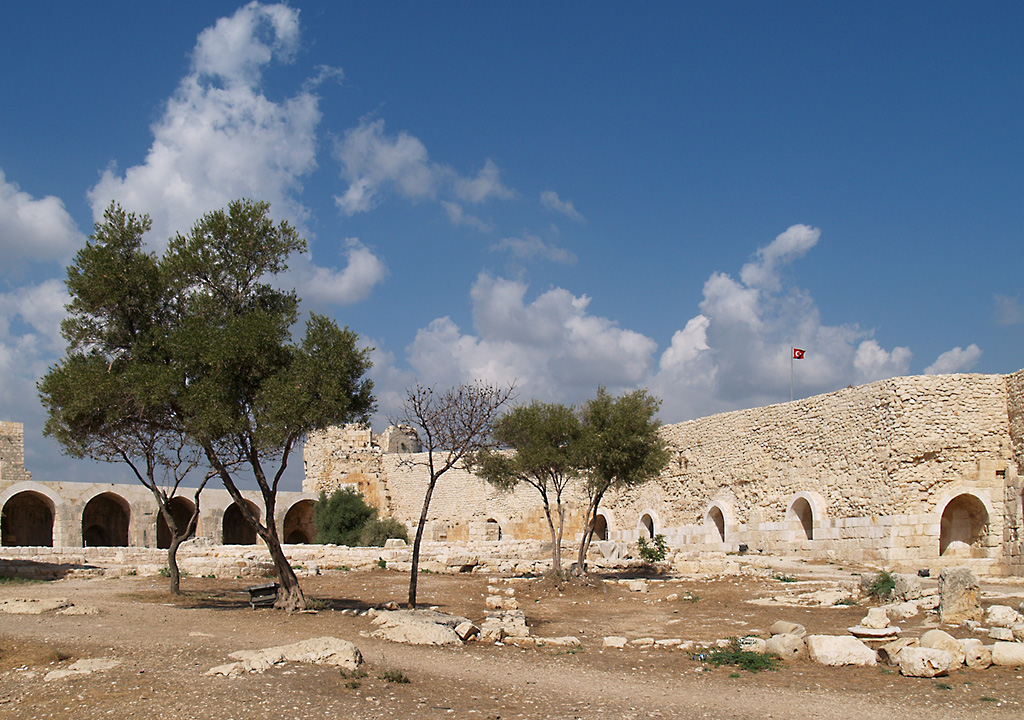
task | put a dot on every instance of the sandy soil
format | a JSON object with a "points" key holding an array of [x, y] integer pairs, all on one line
{"points": [[165, 645]]}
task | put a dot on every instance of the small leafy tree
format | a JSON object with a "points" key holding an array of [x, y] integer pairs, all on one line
{"points": [[623, 449], [452, 426], [378, 531], [340, 517], [543, 448], [107, 400]]}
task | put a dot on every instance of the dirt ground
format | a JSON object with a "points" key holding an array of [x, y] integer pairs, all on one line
{"points": [[165, 645]]}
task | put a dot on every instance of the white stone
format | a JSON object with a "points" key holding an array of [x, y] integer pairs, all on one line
{"points": [[1002, 616], [785, 627], [1001, 633], [877, 618], [924, 662], [1008, 654], [838, 650], [941, 640], [615, 641], [319, 651]]}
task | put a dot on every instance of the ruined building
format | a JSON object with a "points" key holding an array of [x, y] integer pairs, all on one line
{"points": [[911, 472]]}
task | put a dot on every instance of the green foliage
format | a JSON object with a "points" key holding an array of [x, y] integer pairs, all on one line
{"points": [[781, 577], [883, 585], [340, 518], [747, 660], [382, 563], [379, 530], [19, 580], [394, 676], [654, 551]]}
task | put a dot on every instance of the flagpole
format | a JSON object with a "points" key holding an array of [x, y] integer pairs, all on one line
{"points": [[792, 355]]}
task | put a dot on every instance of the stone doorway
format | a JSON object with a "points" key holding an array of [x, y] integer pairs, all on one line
{"points": [[27, 520]]}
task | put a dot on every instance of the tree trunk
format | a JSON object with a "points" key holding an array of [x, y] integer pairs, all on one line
{"points": [[588, 534], [172, 563], [416, 544], [556, 549]]}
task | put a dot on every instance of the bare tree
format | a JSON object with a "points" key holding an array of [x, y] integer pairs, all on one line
{"points": [[451, 425]]}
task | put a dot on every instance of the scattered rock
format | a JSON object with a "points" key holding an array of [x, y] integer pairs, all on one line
{"points": [[906, 587], [977, 657], [876, 619], [639, 586], [940, 640], [418, 627], [890, 652], [874, 633], [78, 610], [1008, 654], [753, 644], [785, 627], [506, 623], [903, 610], [642, 642], [1002, 616], [838, 650], [959, 596], [82, 667], [318, 651], [1001, 633], [787, 646], [615, 641], [466, 630], [925, 662], [501, 602]]}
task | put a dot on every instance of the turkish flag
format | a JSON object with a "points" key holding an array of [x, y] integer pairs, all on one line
{"points": [[798, 354]]}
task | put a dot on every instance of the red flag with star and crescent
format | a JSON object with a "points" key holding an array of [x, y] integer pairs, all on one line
{"points": [[798, 354]]}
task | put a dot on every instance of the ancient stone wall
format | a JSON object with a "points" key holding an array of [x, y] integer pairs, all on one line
{"points": [[12, 453], [907, 472]]}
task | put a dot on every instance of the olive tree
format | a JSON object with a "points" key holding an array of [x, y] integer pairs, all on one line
{"points": [[542, 446], [623, 448]]}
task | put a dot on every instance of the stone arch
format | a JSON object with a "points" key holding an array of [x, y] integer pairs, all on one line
{"points": [[601, 526], [492, 529], [181, 510], [806, 510], [963, 525], [105, 521], [645, 526], [299, 528], [27, 520], [236, 531], [714, 522]]}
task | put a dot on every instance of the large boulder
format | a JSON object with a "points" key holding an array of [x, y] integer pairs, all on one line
{"points": [[319, 651], [977, 656], [418, 627], [787, 646], [924, 662], [838, 650], [785, 627], [907, 587], [890, 652], [940, 640], [959, 596], [1002, 616], [1008, 654]]}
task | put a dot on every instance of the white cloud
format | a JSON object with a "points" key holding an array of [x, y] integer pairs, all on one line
{"points": [[551, 347], [550, 200], [530, 246], [363, 271], [38, 229], [220, 138], [956, 360], [762, 273], [872, 362], [374, 162]]}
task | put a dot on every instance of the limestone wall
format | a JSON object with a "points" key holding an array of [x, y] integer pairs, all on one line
{"points": [[907, 472], [12, 453]]}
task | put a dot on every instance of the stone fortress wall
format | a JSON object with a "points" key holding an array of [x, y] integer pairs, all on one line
{"points": [[911, 472], [78, 514]]}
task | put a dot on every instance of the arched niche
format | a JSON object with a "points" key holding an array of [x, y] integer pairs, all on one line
{"points": [[236, 531], [714, 522], [646, 526], [27, 520], [299, 528], [105, 521], [963, 526], [601, 527], [181, 510]]}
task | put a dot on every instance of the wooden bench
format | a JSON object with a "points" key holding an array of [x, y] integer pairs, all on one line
{"points": [[263, 595]]}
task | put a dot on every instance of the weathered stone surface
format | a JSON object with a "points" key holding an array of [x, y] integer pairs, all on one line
{"points": [[501, 602], [890, 652], [903, 610], [941, 640], [838, 650], [977, 657], [1008, 654], [753, 644], [418, 627], [860, 631], [785, 627], [907, 587], [877, 618], [318, 651], [1002, 616], [506, 623], [924, 662], [614, 641], [1001, 633], [82, 667], [639, 586], [959, 596], [466, 630]]}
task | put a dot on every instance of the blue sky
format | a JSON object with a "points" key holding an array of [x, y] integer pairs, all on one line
{"points": [[664, 194]]}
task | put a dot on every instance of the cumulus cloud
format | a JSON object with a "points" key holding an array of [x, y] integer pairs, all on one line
{"points": [[320, 285], [551, 347], [219, 137], [37, 229], [458, 216], [530, 246], [374, 162], [550, 200], [956, 360]]}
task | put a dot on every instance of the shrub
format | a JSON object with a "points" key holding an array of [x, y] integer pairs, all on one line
{"points": [[379, 530], [655, 551], [340, 518], [747, 660], [883, 585]]}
